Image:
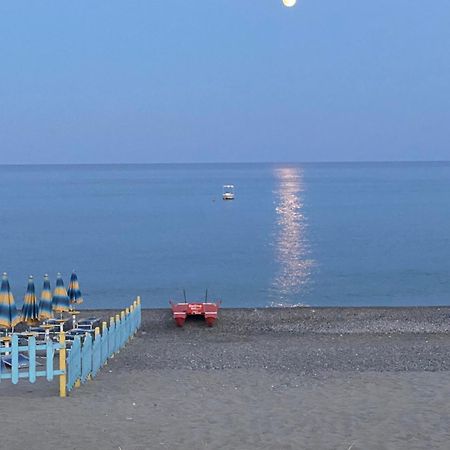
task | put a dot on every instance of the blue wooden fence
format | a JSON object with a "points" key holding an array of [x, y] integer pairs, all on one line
{"points": [[88, 354], [84, 359], [14, 358]]}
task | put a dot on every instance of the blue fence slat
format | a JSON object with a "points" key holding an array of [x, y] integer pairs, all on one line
{"points": [[86, 358], [49, 359], [15, 359], [96, 355], [105, 342], [32, 359], [74, 363], [118, 334], [111, 337]]}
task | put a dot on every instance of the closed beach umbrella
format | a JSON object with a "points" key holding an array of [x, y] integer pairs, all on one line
{"points": [[30, 309], [9, 316], [45, 302], [60, 302], [73, 291]]}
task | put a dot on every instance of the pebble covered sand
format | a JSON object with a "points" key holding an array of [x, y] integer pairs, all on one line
{"points": [[297, 378]]}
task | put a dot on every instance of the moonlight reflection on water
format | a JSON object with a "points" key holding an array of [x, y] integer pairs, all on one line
{"points": [[291, 245]]}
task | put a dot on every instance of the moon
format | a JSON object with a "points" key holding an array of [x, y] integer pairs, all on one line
{"points": [[289, 3]]}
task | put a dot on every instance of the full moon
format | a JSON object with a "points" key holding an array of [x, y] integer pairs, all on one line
{"points": [[289, 3]]}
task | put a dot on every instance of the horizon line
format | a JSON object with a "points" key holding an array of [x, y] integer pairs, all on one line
{"points": [[224, 163]]}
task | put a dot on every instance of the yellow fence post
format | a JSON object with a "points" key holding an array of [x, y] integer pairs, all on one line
{"points": [[62, 365]]}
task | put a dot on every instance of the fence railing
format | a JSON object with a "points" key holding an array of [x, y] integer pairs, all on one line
{"points": [[79, 363]]}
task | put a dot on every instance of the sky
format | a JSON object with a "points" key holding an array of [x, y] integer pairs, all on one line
{"points": [[154, 81]]}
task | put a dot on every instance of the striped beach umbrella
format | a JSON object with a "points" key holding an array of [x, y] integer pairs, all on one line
{"points": [[30, 309], [73, 291], [45, 302], [60, 302], [9, 316]]}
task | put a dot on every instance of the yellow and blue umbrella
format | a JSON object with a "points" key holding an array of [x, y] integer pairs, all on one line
{"points": [[9, 316], [73, 291], [60, 302], [30, 309], [45, 302]]}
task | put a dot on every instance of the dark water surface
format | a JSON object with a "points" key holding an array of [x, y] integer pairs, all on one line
{"points": [[315, 234]]}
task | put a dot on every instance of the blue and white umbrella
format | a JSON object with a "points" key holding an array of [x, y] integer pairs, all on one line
{"points": [[73, 291], [60, 302], [9, 316], [30, 308], [45, 302]]}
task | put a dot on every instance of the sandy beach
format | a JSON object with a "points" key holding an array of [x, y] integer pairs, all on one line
{"points": [[303, 378]]}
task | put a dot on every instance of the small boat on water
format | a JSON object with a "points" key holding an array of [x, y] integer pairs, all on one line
{"points": [[228, 192]]}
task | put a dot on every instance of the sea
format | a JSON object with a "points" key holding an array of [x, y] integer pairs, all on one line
{"points": [[331, 234]]}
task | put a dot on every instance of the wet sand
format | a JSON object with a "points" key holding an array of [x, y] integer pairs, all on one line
{"points": [[348, 378]]}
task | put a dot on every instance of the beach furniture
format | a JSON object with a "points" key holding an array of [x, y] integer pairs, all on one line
{"points": [[89, 323], [9, 316], [23, 361], [74, 315], [79, 332], [208, 310], [30, 310], [55, 325]]}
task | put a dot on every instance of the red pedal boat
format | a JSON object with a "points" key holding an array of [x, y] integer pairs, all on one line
{"points": [[208, 310]]}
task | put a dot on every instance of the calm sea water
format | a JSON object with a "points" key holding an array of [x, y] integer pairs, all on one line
{"points": [[313, 234]]}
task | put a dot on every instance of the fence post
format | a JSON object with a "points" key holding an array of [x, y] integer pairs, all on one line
{"points": [[32, 359], [105, 343], [122, 328], [118, 331], [127, 324], [86, 358], [135, 325], [62, 364], [49, 351], [77, 357], [15, 359], [96, 352], [138, 300], [111, 338]]}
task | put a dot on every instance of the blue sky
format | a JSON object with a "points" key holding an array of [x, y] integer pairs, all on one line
{"points": [[224, 80]]}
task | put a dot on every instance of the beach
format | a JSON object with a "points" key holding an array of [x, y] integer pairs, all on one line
{"points": [[288, 378]]}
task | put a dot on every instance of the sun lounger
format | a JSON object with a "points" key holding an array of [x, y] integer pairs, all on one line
{"points": [[89, 323], [23, 361], [72, 334]]}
